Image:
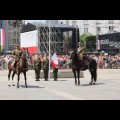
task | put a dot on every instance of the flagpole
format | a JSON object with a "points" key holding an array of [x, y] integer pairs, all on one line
{"points": [[49, 49], [96, 37]]}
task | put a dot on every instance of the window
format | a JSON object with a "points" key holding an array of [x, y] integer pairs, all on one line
{"points": [[110, 28], [98, 29], [74, 23], [85, 30]]}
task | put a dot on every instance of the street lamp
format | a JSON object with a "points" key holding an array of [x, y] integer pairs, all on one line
{"points": [[96, 38], [76, 34], [49, 48]]}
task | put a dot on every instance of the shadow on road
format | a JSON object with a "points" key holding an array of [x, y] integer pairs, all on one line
{"points": [[62, 80], [92, 85], [31, 86]]}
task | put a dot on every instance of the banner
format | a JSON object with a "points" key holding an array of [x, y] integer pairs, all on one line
{"points": [[54, 61], [2, 37], [30, 40], [98, 44]]}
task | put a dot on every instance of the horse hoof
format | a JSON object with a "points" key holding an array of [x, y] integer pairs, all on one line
{"points": [[78, 84], [13, 84], [94, 83], [9, 85], [90, 83]]}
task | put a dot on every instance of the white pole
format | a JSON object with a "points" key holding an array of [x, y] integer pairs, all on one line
{"points": [[49, 49]]}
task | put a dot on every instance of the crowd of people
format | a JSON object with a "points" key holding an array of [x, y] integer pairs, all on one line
{"points": [[64, 62]]}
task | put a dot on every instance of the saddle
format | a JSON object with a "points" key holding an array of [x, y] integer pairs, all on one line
{"points": [[84, 63]]}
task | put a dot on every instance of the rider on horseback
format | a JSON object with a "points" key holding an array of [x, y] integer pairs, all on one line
{"points": [[17, 52], [80, 52]]}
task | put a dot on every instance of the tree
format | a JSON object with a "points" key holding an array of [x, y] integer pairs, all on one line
{"points": [[84, 37]]}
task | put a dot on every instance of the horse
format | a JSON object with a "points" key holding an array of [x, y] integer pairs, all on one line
{"points": [[79, 65], [20, 68]]}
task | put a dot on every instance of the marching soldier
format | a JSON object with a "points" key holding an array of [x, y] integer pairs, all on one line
{"points": [[17, 52], [37, 67], [55, 66], [45, 67], [55, 73]]}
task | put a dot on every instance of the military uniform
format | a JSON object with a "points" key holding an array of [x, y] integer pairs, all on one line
{"points": [[55, 73], [37, 68], [17, 54], [45, 68], [80, 51]]}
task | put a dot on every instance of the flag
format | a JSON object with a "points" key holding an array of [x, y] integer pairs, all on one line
{"points": [[98, 44], [29, 40], [54, 61], [2, 39]]}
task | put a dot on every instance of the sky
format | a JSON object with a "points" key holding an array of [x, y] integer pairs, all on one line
{"points": [[31, 21]]}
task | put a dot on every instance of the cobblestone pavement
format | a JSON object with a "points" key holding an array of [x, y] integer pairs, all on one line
{"points": [[106, 88]]}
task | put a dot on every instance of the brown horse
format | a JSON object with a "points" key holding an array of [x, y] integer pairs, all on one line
{"points": [[21, 68], [78, 65]]}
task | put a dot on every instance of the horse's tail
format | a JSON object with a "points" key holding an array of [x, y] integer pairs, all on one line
{"points": [[95, 72]]}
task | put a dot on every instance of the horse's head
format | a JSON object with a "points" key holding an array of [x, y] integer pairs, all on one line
{"points": [[73, 54], [23, 60], [74, 57]]}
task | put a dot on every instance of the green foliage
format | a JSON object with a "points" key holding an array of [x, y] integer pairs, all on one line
{"points": [[83, 38]]}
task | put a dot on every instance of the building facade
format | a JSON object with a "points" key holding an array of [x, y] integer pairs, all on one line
{"points": [[12, 33], [94, 26]]}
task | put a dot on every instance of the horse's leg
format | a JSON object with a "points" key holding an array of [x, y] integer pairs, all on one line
{"points": [[91, 71], [75, 77], [25, 79], [18, 79], [78, 77], [13, 78], [94, 75], [9, 77]]}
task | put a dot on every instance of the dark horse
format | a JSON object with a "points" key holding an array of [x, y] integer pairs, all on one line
{"points": [[21, 68], [78, 65]]}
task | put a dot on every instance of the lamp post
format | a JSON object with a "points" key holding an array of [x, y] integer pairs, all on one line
{"points": [[76, 34], [96, 37], [49, 49]]}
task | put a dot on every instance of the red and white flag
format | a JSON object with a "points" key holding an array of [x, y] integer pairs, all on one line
{"points": [[54, 61], [2, 33], [29, 40], [98, 44]]}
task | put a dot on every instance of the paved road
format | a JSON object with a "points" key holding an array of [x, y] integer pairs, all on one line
{"points": [[106, 88]]}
